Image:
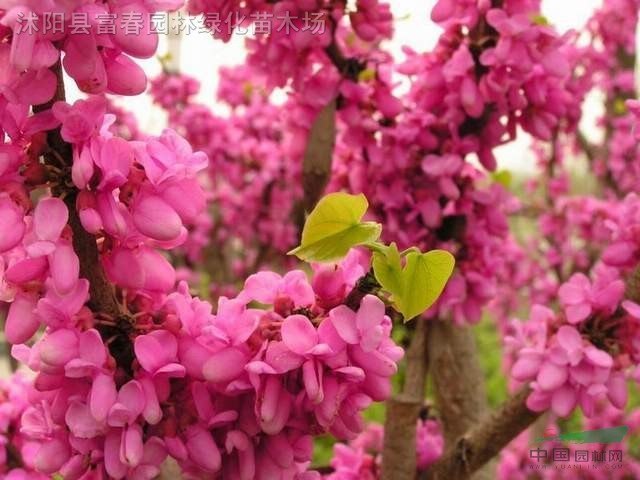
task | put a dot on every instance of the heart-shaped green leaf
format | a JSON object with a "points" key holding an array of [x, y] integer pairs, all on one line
{"points": [[334, 227], [387, 268], [423, 278]]}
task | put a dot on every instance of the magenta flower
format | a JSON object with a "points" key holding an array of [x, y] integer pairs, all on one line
{"points": [[268, 287], [157, 353], [129, 404], [364, 328], [22, 321], [579, 298], [570, 372], [80, 120]]}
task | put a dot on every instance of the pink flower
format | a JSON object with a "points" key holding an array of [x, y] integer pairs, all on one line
{"points": [[579, 298], [364, 328], [92, 356], [80, 120], [11, 223], [156, 219], [372, 21], [269, 287], [21, 322], [157, 353], [129, 404], [570, 371], [303, 341], [429, 443], [202, 449], [331, 283]]}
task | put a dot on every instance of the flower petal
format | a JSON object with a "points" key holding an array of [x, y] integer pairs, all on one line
{"points": [[299, 334]]}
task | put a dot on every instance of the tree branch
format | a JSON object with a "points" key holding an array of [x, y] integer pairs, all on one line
{"points": [[403, 410], [349, 68], [484, 441], [316, 164]]}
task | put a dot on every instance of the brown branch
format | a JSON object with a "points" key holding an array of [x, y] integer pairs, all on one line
{"points": [[101, 293], [485, 440], [13, 455], [349, 68], [317, 161], [403, 410], [102, 298], [458, 379], [632, 286], [316, 164], [365, 286]]}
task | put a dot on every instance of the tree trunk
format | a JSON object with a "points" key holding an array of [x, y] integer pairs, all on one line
{"points": [[458, 379], [403, 410]]}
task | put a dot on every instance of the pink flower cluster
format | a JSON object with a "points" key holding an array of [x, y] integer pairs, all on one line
{"points": [[609, 59], [16, 452], [583, 354], [170, 90], [239, 393], [573, 232], [253, 182], [308, 30], [623, 250], [361, 458], [137, 196]]}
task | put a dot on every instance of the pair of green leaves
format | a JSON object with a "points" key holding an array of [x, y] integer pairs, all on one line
{"points": [[335, 226]]}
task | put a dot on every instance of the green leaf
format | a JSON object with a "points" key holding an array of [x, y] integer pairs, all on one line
{"points": [[387, 268], [503, 177], [539, 19], [423, 279], [619, 107], [334, 227], [366, 75]]}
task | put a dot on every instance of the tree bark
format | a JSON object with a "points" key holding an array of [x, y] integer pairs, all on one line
{"points": [[458, 379], [403, 410], [316, 164]]}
